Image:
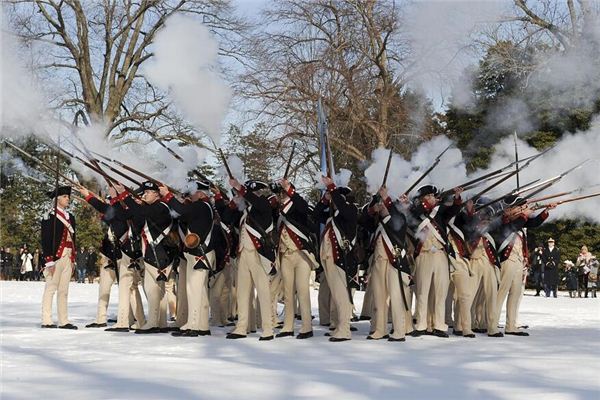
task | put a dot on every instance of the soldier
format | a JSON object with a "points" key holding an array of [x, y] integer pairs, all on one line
{"points": [[199, 253], [58, 247], [336, 256], [512, 253], [389, 267], [256, 257], [428, 219], [121, 248], [154, 217], [296, 258]]}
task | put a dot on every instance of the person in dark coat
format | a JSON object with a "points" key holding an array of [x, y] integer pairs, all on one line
{"points": [[537, 270], [550, 263], [81, 260], [571, 278]]}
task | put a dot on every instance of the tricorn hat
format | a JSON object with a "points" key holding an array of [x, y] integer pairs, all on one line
{"points": [[59, 191], [344, 190], [427, 189], [149, 185], [513, 201], [253, 185]]}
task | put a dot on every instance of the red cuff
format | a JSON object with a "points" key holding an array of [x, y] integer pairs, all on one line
{"points": [[331, 187], [218, 196], [49, 259], [88, 197], [545, 214], [388, 202], [291, 191], [167, 197], [119, 198], [243, 191], [457, 201], [232, 204]]}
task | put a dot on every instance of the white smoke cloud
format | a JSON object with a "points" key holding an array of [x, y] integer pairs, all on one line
{"points": [[185, 64]]}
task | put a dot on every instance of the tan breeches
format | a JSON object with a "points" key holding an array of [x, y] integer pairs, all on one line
{"points": [[295, 271], [336, 279], [432, 280], [485, 286], [108, 277], [511, 279], [182, 299], [156, 295], [197, 293], [463, 294], [129, 295], [324, 299], [57, 282]]}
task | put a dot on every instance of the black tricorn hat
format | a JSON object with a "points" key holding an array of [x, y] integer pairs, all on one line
{"points": [[59, 191], [203, 185], [427, 189], [344, 190], [513, 201], [253, 185], [275, 187], [149, 185]]}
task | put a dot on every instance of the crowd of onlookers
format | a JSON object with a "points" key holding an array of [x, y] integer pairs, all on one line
{"points": [[25, 265], [579, 278]]}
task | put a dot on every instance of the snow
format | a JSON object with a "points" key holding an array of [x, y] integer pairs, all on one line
{"points": [[560, 360]]}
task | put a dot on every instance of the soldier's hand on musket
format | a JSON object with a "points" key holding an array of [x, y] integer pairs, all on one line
{"points": [[285, 184], [383, 211], [163, 190], [112, 192], [234, 183], [120, 188], [457, 192], [383, 193], [327, 196], [214, 189], [551, 206], [84, 192], [404, 199], [327, 180]]}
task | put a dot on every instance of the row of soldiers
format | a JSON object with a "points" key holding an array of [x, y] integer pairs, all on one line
{"points": [[439, 253]]}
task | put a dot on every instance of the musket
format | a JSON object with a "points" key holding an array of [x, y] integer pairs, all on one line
{"points": [[387, 169], [435, 163], [538, 206], [552, 196], [85, 163], [225, 163], [289, 163], [517, 159]]}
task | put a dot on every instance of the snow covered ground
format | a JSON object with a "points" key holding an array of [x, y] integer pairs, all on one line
{"points": [[560, 360]]}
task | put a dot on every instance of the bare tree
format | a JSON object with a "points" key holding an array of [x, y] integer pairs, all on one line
{"points": [[96, 50]]}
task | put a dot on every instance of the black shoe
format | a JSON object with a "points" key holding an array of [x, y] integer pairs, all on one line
{"points": [[456, 333], [354, 319], [324, 324], [264, 338], [253, 331], [364, 318], [305, 335], [327, 334], [234, 336], [469, 335], [231, 324], [353, 329], [480, 330], [116, 330], [184, 333], [171, 329], [298, 317], [518, 333], [524, 327], [67, 326], [111, 320], [149, 330], [499, 334], [336, 339], [417, 333], [279, 325], [383, 337], [95, 325], [284, 334], [438, 333], [164, 330], [49, 326], [537, 295], [396, 340], [204, 333]]}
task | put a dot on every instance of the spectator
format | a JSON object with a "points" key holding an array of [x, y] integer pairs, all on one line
{"points": [[583, 270], [571, 278], [2, 264], [36, 264], [550, 263], [92, 269], [15, 271], [593, 276], [26, 271], [81, 261], [7, 263], [536, 269]]}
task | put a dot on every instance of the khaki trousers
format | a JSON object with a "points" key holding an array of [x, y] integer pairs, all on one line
{"points": [[156, 295], [182, 299], [464, 293], [57, 282], [386, 286], [130, 299], [217, 300], [251, 272], [367, 307], [171, 293], [485, 286], [108, 277], [324, 299], [336, 278], [511, 275], [432, 280], [276, 290], [197, 293], [295, 271], [232, 311]]}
